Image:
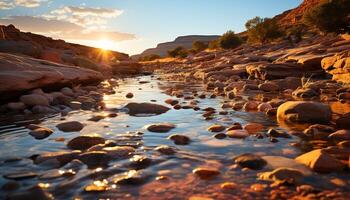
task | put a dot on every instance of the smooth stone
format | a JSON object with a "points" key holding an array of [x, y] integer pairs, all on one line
{"points": [[180, 139], [146, 108], [263, 107], [96, 118], [281, 174], [251, 106], [71, 126], [129, 95], [16, 106], [269, 87], [85, 141], [253, 128], [240, 134], [67, 91], [304, 112], [132, 177], [41, 133], [94, 158], [228, 186], [62, 157], [172, 102], [164, 149], [119, 151], [216, 128], [277, 133], [160, 128], [140, 162], [34, 99], [206, 173], [20, 175], [220, 136], [75, 105], [274, 162], [320, 161], [250, 161]]}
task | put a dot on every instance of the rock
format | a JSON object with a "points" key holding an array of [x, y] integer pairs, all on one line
{"points": [[71, 126], [34, 99], [305, 93], [340, 135], [269, 87], [216, 128], [67, 91], [42, 110], [220, 136], [250, 161], [172, 102], [240, 134], [206, 173], [276, 133], [62, 157], [131, 177], [304, 112], [41, 133], [161, 127], [119, 151], [229, 186], [75, 105], [94, 159], [16, 106], [264, 107], [343, 122], [164, 149], [320, 161], [251, 106], [129, 95], [253, 128], [10, 185], [180, 139], [97, 118], [338, 65], [85, 141], [140, 162], [35, 192], [20, 175], [318, 131], [14, 77], [146, 108], [281, 174]]}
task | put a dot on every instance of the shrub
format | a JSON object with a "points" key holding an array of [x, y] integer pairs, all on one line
{"points": [[329, 16], [296, 33], [229, 40], [149, 57], [262, 30], [199, 46], [214, 44], [178, 52]]}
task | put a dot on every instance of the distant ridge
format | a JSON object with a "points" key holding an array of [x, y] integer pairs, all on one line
{"points": [[185, 41]]}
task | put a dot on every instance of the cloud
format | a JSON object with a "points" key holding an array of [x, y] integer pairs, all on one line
{"points": [[63, 29], [29, 3], [84, 16], [8, 4]]}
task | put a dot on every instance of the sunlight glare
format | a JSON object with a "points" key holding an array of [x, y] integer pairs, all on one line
{"points": [[105, 44]]}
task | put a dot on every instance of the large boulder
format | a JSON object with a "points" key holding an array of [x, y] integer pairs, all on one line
{"points": [[19, 73], [320, 161], [304, 112]]}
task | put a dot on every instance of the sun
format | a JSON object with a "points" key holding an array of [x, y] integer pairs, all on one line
{"points": [[105, 44]]}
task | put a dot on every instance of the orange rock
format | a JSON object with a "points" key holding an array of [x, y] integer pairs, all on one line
{"points": [[253, 128]]}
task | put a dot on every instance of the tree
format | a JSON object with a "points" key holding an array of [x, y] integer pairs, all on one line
{"points": [[262, 30], [229, 40], [214, 44], [178, 52], [199, 46], [330, 16]]}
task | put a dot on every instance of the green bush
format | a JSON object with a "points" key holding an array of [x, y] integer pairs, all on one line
{"points": [[329, 16], [199, 46], [214, 44], [149, 57], [262, 30], [178, 52], [229, 40]]}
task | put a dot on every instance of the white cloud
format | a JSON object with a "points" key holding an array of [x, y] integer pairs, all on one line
{"points": [[84, 16], [6, 5], [29, 3]]}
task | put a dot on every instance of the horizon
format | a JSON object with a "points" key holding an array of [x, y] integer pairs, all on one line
{"points": [[116, 25]]}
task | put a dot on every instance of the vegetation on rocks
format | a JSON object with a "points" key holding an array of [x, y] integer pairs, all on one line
{"points": [[178, 52], [262, 30], [229, 40]]}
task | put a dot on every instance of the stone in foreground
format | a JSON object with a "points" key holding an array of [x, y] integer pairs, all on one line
{"points": [[250, 161]]}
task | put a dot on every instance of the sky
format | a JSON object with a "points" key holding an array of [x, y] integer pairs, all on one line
{"points": [[132, 26]]}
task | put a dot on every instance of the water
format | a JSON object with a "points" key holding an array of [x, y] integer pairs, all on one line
{"points": [[17, 146]]}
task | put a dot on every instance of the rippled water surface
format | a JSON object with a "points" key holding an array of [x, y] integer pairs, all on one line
{"points": [[17, 146]]}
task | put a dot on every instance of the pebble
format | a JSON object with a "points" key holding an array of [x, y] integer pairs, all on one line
{"points": [[180, 139], [160, 128], [71, 126], [85, 141], [216, 128], [164, 149], [206, 173]]}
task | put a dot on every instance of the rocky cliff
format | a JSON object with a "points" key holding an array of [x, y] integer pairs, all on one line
{"points": [[185, 41]]}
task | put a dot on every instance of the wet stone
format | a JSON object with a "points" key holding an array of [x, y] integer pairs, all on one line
{"points": [[216, 128], [20, 175], [71, 126], [164, 149], [41, 133], [160, 128], [240, 134], [94, 159], [206, 173], [146, 108], [250, 161], [180, 139], [277, 133], [129, 95], [220, 135], [132, 177], [85, 141], [140, 162]]}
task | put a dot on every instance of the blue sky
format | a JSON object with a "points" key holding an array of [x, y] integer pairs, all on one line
{"points": [[134, 25]]}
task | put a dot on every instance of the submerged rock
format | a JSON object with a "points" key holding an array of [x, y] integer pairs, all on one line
{"points": [[304, 112], [250, 161], [94, 158], [41, 133], [216, 128], [206, 173], [161, 127], [119, 151], [146, 108], [180, 139], [132, 177], [164, 149], [85, 141], [281, 174], [71, 126]]}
